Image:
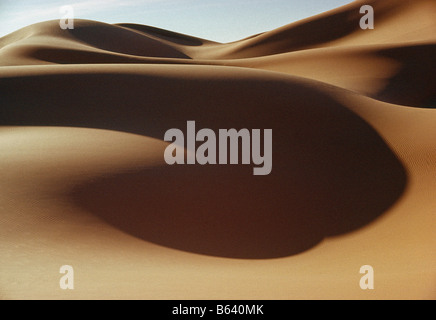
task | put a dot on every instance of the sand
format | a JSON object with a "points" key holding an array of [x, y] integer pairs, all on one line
{"points": [[84, 183]]}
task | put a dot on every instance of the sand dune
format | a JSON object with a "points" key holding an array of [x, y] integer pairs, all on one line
{"points": [[381, 72], [84, 183], [398, 21]]}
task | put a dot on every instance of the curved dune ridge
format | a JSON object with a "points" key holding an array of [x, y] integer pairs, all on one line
{"points": [[84, 183]]}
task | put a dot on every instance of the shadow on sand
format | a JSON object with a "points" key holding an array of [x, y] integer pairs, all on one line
{"points": [[332, 172]]}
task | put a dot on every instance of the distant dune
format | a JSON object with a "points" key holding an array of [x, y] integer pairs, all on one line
{"points": [[84, 183]]}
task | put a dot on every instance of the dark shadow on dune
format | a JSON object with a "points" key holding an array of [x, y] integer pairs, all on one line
{"points": [[414, 84], [430, 104], [332, 173]]}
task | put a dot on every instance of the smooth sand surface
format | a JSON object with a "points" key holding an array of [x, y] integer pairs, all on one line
{"points": [[84, 183]]}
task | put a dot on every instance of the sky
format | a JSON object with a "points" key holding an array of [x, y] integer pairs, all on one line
{"points": [[218, 20]]}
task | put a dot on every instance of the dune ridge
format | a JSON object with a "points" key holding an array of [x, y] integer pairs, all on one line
{"points": [[83, 114]]}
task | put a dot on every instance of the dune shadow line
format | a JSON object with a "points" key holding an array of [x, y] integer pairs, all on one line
{"points": [[332, 172]]}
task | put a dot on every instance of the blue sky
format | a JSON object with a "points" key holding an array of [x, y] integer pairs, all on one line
{"points": [[219, 20]]}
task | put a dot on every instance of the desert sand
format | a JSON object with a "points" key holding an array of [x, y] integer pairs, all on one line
{"points": [[84, 183]]}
